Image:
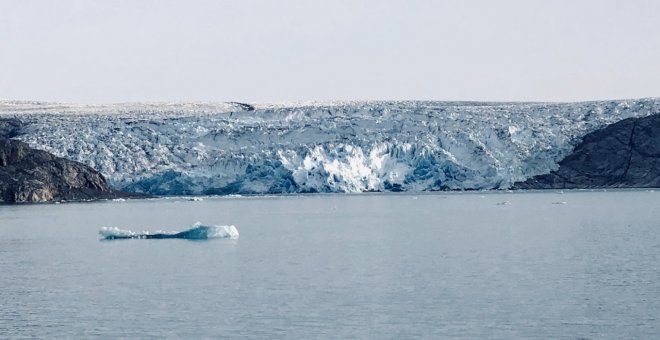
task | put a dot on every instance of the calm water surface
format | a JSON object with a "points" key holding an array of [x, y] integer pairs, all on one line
{"points": [[495, 265]]}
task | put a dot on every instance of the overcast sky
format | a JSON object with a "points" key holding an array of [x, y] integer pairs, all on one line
{"points": [[285, 50]]}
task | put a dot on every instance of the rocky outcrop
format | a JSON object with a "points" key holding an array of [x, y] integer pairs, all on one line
{"points": [[625, 154], [29, 175]]}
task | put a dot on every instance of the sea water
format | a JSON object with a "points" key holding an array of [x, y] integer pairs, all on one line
{"points": [[370, 266]]}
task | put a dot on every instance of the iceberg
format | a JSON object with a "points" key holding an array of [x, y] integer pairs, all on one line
{"points": [[197, 231]]}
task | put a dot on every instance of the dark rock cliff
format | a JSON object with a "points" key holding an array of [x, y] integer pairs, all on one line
{"points": [[625, 154], [29, 175]]}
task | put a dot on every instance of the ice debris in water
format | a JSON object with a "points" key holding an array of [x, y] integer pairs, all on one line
{"points": [[198, 231]]}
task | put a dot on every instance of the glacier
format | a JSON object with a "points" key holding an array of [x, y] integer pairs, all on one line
{"points": [[236, 148]]}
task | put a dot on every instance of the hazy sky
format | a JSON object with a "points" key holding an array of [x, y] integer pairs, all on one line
{"points": [[283, 50]]}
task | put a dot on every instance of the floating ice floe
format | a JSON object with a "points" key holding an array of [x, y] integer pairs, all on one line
{"points": [[198, 231]]}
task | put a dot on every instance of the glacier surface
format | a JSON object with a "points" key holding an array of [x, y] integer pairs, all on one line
{"points": [[234, 148]]}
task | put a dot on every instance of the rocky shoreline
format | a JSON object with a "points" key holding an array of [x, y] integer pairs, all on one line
{"points": [[625, 154], [30, 176]]}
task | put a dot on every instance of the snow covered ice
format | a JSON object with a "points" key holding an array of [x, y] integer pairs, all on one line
{"points": [[232, 148]]}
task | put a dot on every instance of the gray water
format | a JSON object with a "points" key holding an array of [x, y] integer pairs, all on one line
{"points": [[495, 265]]}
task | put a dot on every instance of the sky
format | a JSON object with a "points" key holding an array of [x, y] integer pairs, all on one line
{"points": [[301, 50]]}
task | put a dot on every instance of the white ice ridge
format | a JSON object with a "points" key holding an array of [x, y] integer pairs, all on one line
{"points": [[232, 148], [197, 231]]}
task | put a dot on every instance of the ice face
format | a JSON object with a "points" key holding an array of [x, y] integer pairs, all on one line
{"points": [[194, 148]]}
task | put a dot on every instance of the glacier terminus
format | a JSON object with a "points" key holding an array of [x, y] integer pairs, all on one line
{"points": [[235, 148]]}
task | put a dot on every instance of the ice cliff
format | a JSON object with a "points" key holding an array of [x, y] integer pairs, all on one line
{"points": [[199, 148]]}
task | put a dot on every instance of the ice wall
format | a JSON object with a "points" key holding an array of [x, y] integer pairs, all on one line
{"points": [[198, 148]]}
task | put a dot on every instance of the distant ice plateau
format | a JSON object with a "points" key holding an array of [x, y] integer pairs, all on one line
{"points": [[235, 148]]}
